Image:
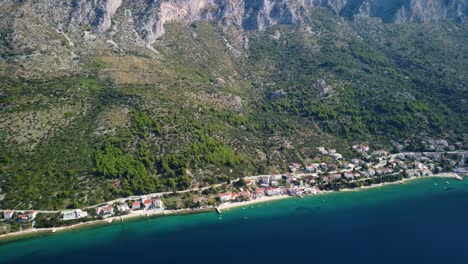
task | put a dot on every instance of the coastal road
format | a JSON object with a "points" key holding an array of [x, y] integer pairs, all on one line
{"points": [[121, 200], [24, 211]]}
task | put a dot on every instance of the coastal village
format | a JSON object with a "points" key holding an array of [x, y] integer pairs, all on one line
{"points": [[367, 169]]}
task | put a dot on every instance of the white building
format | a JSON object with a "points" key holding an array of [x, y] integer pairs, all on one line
{"points": [[322, 150], [224, 197], [158, 203], [8, 215], [74, 214], [122, 208]]}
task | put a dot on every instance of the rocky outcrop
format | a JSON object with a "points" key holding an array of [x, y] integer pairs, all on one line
{"points": [[142, 21], [400, 11], [150, 16]]}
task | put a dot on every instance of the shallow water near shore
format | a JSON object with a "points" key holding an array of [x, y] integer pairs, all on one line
{"points": [[422, 221]]}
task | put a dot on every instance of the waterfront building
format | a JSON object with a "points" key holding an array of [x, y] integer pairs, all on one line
{"points": [[259, 193], [73, 214], [123, 208], [147, 203], [157, 203], [136, 205], [272, 191], [105, 210], [224, 197]]}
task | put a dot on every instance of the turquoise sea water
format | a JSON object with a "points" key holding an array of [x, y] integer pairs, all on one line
{"points": [[425, 221]]}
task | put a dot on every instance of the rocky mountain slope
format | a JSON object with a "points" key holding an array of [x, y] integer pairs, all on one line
{"points": [[108, 98], [143, 21], [49, 36]]}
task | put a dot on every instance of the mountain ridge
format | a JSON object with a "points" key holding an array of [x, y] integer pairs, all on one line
{"points": [[147, 18]]}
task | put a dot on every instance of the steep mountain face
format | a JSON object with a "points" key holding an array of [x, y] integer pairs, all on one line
{"points": [[51, 35], [146, 19]]}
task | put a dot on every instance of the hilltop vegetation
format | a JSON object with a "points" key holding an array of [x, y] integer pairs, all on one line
{"points": [[203, 112]]}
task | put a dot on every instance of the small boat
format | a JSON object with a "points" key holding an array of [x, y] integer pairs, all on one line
{"points": [[447, 182]]}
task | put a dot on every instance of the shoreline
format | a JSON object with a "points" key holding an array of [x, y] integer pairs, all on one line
{"points": [[225, 206]]}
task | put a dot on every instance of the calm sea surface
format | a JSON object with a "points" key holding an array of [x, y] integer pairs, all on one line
{"points": [[425, 221]]}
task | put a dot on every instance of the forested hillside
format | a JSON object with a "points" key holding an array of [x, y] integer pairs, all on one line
{"points": [[215, 104]]}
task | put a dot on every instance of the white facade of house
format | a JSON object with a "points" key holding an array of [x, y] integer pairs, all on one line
{"points": [[74, 214], [8, 215]]}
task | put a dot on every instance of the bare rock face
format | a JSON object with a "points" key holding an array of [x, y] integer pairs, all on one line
{"points": [[148, 17], [413, 10], [42, 26]]}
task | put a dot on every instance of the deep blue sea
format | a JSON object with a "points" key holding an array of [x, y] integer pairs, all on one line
{"points": [[425, 221]]}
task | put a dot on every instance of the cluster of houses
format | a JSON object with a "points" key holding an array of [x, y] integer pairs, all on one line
{"points": [[330, 152], [270, 186], [260, 192], [301, 180], [440, 145], [21, 217], [153, 203], [304, 180], [112, 209]]}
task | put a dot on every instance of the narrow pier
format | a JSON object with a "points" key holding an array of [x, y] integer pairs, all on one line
{"points": [[218, 210]]}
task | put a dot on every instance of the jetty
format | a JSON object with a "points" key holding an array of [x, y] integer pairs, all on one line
{"points": [[450, 175]]}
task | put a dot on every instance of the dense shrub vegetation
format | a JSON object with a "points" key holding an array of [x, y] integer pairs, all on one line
{"points": [[210, 116]]}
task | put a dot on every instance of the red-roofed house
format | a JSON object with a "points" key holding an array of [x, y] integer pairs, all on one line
{"points": [[136, 205], [245, 195], [224, 197], [31, 214], [105, 210], [248, 182], [147, 203], [22, 218], [259, 193]]}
